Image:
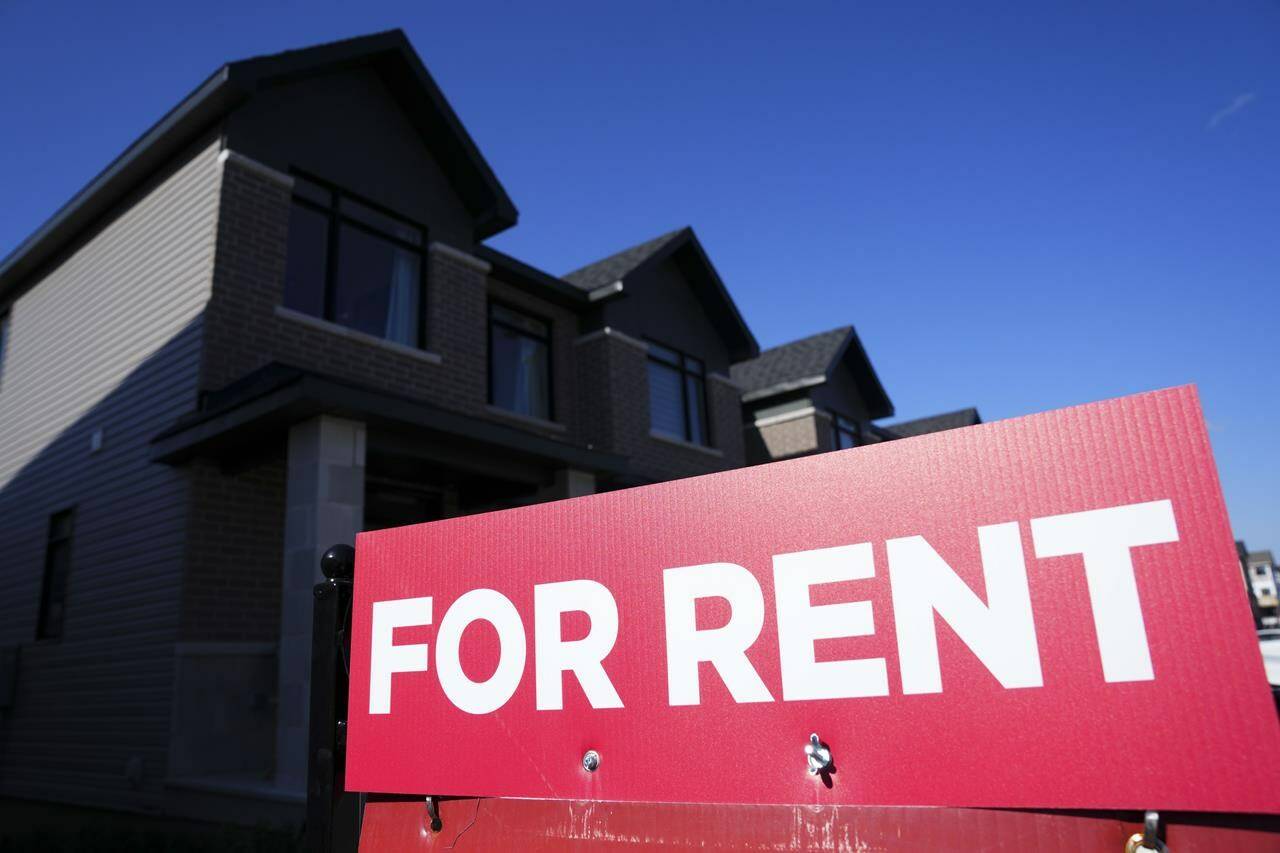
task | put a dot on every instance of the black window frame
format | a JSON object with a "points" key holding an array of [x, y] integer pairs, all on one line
{"points": [[336, 218], [551, 370], [44, 631], [681, 366], [854, 430]]}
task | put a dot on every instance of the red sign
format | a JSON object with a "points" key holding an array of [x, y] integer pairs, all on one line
{"points": [[1043, 612]]}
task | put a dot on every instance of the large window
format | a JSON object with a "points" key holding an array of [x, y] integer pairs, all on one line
{"points": [[847, 432], [519, 362], [677, 395], [57, 569], [354, 264]]}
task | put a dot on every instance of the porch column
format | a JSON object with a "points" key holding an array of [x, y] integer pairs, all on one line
{"points": [[324, 505], [570, 483]]}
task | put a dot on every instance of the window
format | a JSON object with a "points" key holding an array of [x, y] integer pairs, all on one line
{"points": [[57, 568], [355, 265], [847, 433], [677, 395], [519, 362]]}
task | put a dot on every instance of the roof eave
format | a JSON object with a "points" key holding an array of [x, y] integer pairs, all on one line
{"points": [[534, 280], [783, 388], [877, 399], [212, 100], [177, 128]]}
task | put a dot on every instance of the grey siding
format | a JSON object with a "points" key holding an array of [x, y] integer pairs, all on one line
{"points": [[108, 339]]}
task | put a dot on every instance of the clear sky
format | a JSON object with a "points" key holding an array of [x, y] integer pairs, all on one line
{"points": [[1019, 207]]}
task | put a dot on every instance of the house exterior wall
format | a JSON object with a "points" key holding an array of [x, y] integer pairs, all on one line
{"points": [[247, 328], [659, 305], [613, 378], [345, 127], [798, 434], [107, 339]]}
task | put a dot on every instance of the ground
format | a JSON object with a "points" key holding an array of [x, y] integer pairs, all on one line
{"points": [[54, 828]]}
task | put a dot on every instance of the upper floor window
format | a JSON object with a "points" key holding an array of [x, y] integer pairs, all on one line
{"points": [[677, 395], [354, 264], [57, 569], [519, 362], [847, 432]]}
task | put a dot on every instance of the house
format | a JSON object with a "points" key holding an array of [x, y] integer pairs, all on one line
{"points": [[935, 423], [813, 395], [1262, 575], [1242, 553], [821, 393], [273, 322]]}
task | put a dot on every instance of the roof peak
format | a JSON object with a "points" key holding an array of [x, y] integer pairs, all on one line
{"points": [[842, 331], [616, 266]]}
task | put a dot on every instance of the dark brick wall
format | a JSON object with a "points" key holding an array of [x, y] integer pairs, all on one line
{"points": [[243, 331], [600, 386], [235, 543], [614, 368]]}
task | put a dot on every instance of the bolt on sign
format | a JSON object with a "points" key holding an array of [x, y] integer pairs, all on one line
{"points": [[1045, 612]]}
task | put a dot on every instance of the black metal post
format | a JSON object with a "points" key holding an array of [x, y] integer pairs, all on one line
{"points": [[333, 816]]}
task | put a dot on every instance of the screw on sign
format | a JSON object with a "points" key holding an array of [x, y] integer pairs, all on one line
{"points": [[1016, 607], [817, 755]]}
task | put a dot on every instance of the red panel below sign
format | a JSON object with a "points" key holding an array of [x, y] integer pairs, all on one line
{"points": [[535, 826]]}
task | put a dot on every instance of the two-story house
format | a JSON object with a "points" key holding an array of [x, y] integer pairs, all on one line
{"points": [[819, 394], [269, 324]]}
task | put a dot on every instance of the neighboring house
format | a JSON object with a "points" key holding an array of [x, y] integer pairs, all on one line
{"points": [[266, 326], [821, 393], [935, 423], [810, 396], [1262, 575], [1242, 552]]}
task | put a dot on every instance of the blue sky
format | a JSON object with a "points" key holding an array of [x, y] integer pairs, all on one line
{"points": [[1019, 207]]}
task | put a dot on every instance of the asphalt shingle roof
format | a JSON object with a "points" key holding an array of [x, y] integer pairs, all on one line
{"points": [[615, 267], [936, 423], [791, 362]]}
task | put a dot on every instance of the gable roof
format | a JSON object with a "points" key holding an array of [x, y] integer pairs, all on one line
{"points": [[231, 85], [619, 265], [808, 362], [935, 423], [682, 246]]}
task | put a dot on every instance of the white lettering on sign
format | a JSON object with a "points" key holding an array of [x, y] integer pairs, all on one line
{"points": [[724, 647], [1104, 537], [481, 697], [554, 656], [1000, 632], [800, 623], [386, 658]]}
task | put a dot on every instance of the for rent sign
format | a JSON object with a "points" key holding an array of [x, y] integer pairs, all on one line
{"points": [[1043, 612]]}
